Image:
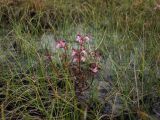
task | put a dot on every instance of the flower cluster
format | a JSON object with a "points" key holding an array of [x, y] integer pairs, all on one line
{"points": [[81, 54], [82, 39], [61, 44]]}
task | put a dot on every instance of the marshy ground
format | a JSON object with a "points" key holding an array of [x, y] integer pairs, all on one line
{"points": [[126, 33]]}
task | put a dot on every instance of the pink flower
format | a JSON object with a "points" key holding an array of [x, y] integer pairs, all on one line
{"points": [[87, 38], [83, 58], [80, 39], [94, 67], [75, 59], [83, 52], [79, 55], [83, 55], [74, 52], [61, 44], [75, 55], [79, 58]]}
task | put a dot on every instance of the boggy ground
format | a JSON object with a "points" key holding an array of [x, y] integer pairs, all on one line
{"points": [[125, 32]]}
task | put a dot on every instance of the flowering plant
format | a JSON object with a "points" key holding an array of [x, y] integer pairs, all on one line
{"points": [[81, 62]]}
